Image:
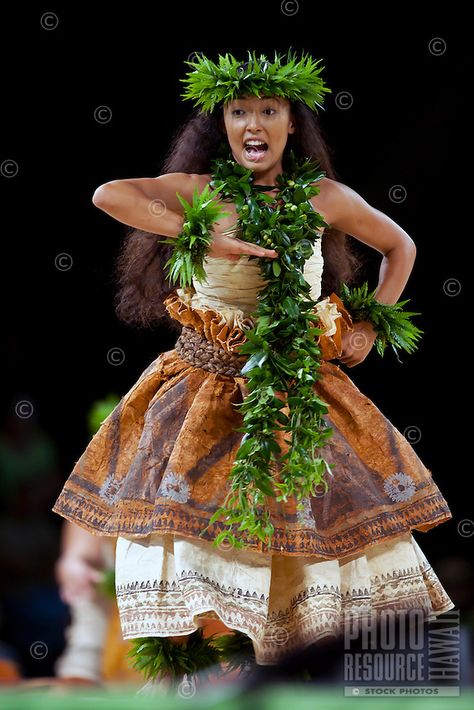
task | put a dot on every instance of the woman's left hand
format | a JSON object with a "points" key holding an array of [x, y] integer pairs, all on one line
{"points": [[357, 343], [77, 578]]}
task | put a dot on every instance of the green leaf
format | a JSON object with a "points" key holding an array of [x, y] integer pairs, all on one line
{"points": [[276, 268]]}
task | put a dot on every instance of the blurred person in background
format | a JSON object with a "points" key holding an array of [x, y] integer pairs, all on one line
{"points": [[32, 615], [95, 650]]}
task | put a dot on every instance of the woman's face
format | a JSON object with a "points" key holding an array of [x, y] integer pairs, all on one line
{"points": [[257, 130]]}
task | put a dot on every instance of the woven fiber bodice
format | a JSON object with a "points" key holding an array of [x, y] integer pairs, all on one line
{"points": [[232, 287]]}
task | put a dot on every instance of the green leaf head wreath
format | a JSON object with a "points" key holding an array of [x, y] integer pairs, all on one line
{"points": [[210, 84]]}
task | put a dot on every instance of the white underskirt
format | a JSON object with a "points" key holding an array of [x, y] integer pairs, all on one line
{"points": [[165, 582]]}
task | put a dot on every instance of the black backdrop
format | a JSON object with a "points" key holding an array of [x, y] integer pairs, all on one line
{"points": [[409, 90]]}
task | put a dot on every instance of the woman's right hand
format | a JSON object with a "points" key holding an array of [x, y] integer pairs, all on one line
{"points": [[226, 247]]}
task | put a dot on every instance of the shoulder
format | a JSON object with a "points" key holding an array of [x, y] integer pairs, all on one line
{"points": [[345, 210], [335, 201]]}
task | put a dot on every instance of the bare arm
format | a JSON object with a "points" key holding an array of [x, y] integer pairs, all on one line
{"points": [[151, 204], [348, 211], [77, 542], [79, 566], [344, 209]]}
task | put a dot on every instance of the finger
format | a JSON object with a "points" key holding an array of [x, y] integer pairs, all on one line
{"points": [[252, 249], [260, 251]]}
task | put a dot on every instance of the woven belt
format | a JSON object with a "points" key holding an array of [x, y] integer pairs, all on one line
{"points": [[201, 352]]}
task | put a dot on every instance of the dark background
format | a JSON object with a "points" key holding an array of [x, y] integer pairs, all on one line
{"points": [[406, 126]]}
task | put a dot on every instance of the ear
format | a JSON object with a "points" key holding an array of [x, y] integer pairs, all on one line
{"points": [[292, 122]]}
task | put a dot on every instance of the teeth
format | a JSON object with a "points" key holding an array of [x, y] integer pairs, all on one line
{"points": [[254, 142]]}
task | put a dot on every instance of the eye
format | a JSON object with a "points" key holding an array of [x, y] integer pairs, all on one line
{"points": [[237, 111], [269, 109]]}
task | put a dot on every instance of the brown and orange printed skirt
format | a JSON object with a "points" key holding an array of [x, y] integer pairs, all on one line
{"points": [[157, 469]]}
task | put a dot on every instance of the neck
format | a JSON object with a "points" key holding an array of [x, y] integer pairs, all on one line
{"points": [[268, 177]]}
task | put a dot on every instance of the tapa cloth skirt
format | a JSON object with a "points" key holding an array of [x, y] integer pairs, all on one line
{"points": [[160, 462], [165, 583], [157, 469]]}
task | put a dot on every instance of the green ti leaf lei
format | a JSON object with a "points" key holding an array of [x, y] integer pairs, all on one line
{"points": [[282, 350], [283, 356]]}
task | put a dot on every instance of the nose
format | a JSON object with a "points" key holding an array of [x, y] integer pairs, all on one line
{"points": [[253, 122]]}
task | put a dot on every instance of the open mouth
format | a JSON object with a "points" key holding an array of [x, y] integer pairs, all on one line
{"points": [[255, 149]]}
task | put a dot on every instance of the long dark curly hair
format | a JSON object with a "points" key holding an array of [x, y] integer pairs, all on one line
{"points": [[140, 273]]}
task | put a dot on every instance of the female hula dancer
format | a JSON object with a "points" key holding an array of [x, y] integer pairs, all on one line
{"points": [[247, 480]]}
